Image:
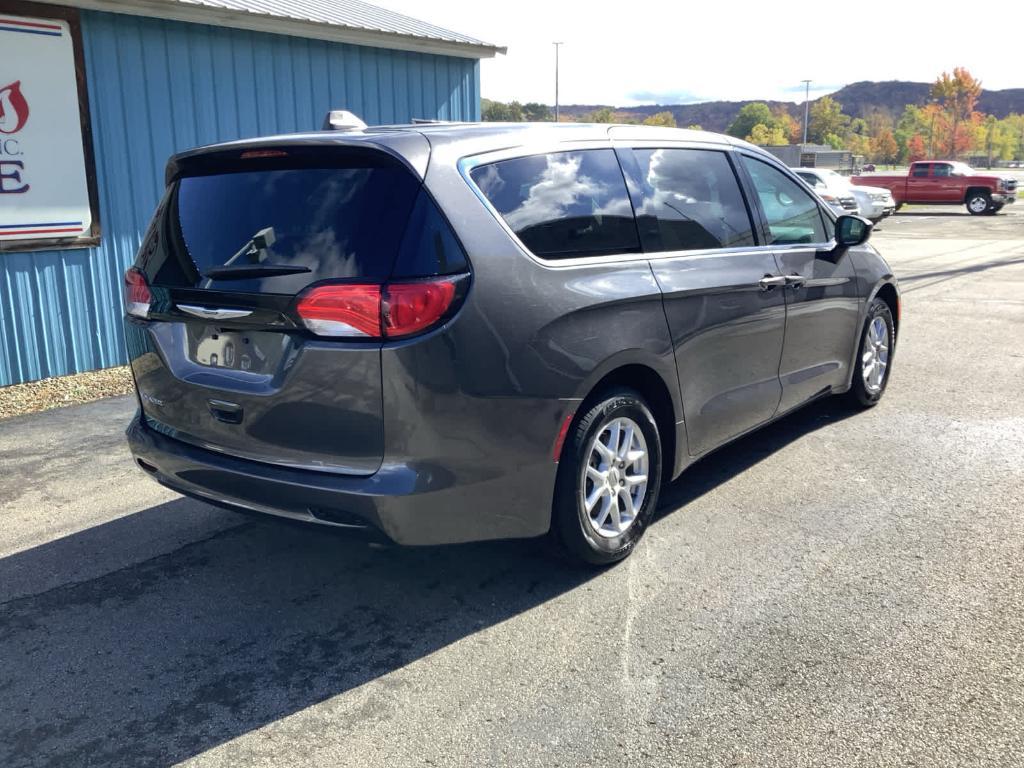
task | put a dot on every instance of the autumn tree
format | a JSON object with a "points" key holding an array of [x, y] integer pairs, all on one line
{"points": [[884, 148], [665, 119], [957, 94], [793, 130], [915, 148]]}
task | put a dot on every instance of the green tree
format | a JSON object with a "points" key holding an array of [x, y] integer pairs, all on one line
{"points": [[666, 119], [534, 112], [767, 136], [694, 127], [600, 115], [757, 112], [914, 121], [826, 119], [833, 140], [496, 111]]}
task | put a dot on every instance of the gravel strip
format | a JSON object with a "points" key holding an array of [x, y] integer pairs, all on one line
{"points": [[42, 395]]}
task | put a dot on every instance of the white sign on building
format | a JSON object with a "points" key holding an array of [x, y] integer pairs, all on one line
{"points": [[44, 190]]}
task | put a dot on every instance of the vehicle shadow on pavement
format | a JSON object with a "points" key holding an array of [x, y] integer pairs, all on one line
{"points": [[154, 662], [909, 282], [735, 458], [164, 659]]}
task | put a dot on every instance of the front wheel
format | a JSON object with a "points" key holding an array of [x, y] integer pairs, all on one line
{"points": [[978, 203], [609, 478], [874, 356]]}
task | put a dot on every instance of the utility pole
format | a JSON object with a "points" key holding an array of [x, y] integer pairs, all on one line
{"points": [[557, 45], [931, 130], [807, 104]]}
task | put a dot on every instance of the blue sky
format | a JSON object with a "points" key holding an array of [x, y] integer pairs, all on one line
{"points": [[675, 52]]}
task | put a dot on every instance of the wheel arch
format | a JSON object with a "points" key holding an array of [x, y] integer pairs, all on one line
{"points": [[661, 395], [887, 292], [975, 190]]}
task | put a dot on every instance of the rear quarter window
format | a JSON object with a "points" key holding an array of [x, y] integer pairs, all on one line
{"points": [[563, 204]]}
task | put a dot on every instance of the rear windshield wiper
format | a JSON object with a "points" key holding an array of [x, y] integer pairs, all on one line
{"points": [[244, 271]]}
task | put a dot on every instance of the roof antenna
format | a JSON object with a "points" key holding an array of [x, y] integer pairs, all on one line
{"points": [[342, 120]]}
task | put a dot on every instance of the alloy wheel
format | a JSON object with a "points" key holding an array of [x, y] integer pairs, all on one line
{"points": [[875, 357], [613, 484]]}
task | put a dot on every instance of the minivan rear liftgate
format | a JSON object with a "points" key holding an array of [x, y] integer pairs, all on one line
{"points": [[264, 289]]}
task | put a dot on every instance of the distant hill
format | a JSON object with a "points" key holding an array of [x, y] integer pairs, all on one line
{"points": [[858, 100]]}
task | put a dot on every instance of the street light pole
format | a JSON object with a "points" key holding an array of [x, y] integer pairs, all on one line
{"points": [[807, 104], [557, 45]]}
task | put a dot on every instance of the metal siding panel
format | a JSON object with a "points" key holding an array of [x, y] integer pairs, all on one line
{"points": [[320, 82], [155, 88], [302, 86]]}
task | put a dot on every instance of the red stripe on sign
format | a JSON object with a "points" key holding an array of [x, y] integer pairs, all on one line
{"points": [[29, 24], [38, 231]]}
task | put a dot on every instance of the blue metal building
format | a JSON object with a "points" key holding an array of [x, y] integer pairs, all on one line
{"points": [[165, 75]]}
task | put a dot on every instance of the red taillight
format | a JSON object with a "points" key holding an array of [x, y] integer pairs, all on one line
{"points": [[412, 307], [137, 296], [342, 310], [389, 311]]}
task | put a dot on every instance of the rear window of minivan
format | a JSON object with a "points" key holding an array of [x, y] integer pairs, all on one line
{"points": [[312, 223]]}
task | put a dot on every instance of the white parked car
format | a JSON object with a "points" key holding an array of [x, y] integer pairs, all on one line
{"points": [[874, 203]]}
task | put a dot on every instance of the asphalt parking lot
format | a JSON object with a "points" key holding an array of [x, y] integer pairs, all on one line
{"points": [[842, 589]]}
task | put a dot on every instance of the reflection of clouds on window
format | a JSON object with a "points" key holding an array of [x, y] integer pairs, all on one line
{"points": [[695, 199], [563, 204], [560, 188], [489, 180]]}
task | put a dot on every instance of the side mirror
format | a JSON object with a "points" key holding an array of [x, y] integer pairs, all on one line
{"points": [[852, 230]]}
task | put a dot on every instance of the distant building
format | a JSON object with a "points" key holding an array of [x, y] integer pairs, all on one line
{"points": [[96, 94], [813, 156]]}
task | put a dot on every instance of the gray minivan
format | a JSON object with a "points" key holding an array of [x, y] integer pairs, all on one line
{"points": [[457, 332]]}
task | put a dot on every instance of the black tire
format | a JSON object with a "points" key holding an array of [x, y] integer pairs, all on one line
{"points": [[898, 206], [994, 209], [978, 203], [860, 394], [572, 527]]}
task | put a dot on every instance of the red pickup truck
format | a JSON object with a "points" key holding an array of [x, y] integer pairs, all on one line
{"points": [[945, 182]]}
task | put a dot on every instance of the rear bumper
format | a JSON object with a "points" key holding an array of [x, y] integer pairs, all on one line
{"points": [[411, 505]]}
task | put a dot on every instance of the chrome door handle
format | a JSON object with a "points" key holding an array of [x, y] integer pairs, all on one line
{"points": [[768, 282], [795, 281]]}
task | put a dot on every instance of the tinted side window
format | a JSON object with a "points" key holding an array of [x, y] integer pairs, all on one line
{"points": [[429, 246], [694, 200], [792, 213], [563, 204], [942, 170], [921, 170]]}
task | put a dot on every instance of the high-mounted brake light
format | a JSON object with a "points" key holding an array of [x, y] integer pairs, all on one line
{"points": [[254, 154], [361, 310], [137, 296]]}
